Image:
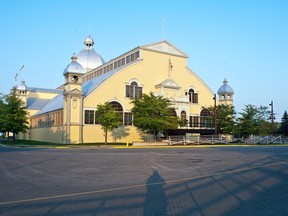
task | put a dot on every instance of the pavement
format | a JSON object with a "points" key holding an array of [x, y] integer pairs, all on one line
{"points": [[144, 181]]}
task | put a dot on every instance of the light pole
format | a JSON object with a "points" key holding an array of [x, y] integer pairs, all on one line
{"points": [[272, 117], [215, 123]]}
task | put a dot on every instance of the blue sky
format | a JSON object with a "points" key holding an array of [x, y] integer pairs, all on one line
{"points": [[245, 41]]}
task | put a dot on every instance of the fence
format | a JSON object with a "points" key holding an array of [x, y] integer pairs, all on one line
{"points": [[271, 139], [189, 139]]}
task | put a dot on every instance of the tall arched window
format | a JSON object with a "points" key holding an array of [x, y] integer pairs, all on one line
{"points": [[118, 108], [193, 96], [133, 90], [183, 116], [205, 118]]}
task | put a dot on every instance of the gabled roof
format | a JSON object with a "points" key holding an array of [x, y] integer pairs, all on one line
{"points": [[168, 83], [164, 47], [73, 92]]}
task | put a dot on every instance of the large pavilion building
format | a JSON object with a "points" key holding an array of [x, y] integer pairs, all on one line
{"points": [[67, 114]]}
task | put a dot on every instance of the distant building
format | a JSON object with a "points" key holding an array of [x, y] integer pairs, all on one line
{"points": [[67, 114], [225, 93]]}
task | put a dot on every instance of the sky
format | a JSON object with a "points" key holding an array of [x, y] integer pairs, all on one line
{"points": [[245, 41]]}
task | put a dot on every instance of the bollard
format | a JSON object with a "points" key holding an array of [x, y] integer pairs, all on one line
{"points": [[127, 144]]}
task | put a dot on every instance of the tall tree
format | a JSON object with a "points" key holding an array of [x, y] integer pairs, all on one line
{"points": [[247, 123], [154, 114], [283, 129], [108, 118], [253, 120], [264, 126], [225, 117], [2, 113], [13, 117]]}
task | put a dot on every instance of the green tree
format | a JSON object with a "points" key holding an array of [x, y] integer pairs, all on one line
{"points": [[283, 129], [154, 114], [13, 116], [2, 114], [264, 126], [225, 118], [253, 120], [247, 123], [108, 118]]}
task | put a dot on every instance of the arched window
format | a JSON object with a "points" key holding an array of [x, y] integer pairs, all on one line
{"points": [[183, 116], [193, 96], [133, 90], [118, 108], [205, 118]]}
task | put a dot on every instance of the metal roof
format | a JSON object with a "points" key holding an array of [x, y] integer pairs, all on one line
{"points": [[44, 90], [55, 104], [89, 86], [36, 103], [225, 88]]}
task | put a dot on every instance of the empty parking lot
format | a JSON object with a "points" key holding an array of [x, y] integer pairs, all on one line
{"points": [[148, 181]]}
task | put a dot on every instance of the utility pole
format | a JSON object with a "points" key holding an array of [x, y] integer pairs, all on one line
{"points": [[215, 115], [272, 117]]}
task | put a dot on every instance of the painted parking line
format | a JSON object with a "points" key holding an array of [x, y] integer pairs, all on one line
{"points": [[139, 186]]}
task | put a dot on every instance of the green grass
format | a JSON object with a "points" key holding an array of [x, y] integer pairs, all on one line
{"points": [[33, 143]]}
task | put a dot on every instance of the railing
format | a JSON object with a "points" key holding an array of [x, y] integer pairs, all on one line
{"points": [[271, 139], [197, 139]]}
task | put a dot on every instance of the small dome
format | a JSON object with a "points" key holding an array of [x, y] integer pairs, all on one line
{"points": [[89, 42], [22, 86], [225, 88], [88, 57], [74, 66]]}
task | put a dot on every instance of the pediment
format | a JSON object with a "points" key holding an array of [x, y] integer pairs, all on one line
{"points": [[169, 83], [165, 47], [73, 92]]}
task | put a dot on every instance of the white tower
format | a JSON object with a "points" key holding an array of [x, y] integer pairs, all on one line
{"points": [[225, 93], [73, 100]]}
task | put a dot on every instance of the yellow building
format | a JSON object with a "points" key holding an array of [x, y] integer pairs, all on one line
{"points": [[67, 114]]}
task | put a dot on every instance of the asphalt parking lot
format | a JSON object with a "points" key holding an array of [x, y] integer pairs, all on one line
{"points": [[148, 181]]}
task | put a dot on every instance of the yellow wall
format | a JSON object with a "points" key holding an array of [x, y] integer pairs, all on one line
{"points": [[53, 134], [151, 70], [74, 134], [94, 133]]}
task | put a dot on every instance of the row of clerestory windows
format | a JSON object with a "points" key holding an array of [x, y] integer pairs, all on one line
{"points": [[52, 119], [131, 57]]}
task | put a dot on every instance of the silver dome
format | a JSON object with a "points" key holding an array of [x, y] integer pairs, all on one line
{"points": [[88, 57], [74, 66], [22, 86], [89, 41], [225, 88]]}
